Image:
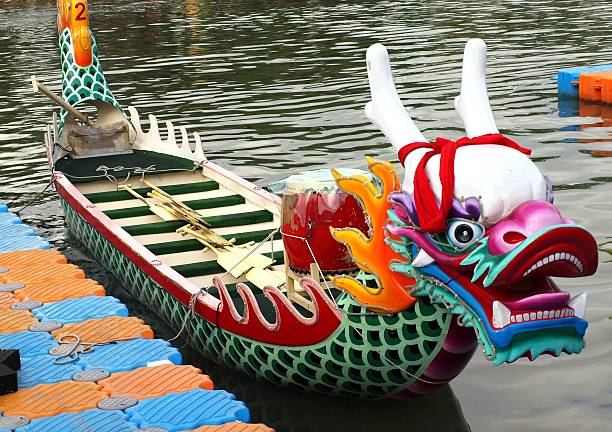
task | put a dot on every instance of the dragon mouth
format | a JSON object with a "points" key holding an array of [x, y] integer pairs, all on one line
{"points": [[513, 295], [536, 300], [503, 286], [562, 250]]}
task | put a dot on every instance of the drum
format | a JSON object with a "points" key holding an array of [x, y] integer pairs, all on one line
{"points": [[312, 203]]}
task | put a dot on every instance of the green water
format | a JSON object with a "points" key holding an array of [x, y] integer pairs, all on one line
{"points": [[277, 86]]}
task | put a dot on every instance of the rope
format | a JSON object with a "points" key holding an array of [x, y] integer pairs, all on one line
{"points": [[192, 300], [305, 240], [79, 348], [138, 169], [251, 252], [36, 197]]}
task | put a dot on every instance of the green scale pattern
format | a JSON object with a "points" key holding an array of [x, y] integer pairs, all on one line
{"points": [[82, 83], [368, 356]]}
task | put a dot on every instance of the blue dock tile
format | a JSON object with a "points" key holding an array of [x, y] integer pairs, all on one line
{"points": [[81, 309], [11, 244], [9, 218], [29, 344], [567, 79], [16, 230], [188, 410], [85, 421], [42, 370], [132, 354]]}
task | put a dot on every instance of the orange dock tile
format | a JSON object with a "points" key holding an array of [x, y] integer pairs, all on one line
{"points": [[6, 300], [606, 90], [42, 273], [13, 321], [590, 85], [234, 427], [30, 258], [107, 329], [53, 291], [156, 381], [45, 400]]}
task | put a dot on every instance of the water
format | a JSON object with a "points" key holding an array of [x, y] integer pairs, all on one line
{"points": [[278, 86]]}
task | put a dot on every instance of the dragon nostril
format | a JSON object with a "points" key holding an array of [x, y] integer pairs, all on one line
{"points": [[513, 237]]}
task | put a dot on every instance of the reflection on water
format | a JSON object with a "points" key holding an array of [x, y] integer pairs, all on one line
{"points": [[274, 86]]}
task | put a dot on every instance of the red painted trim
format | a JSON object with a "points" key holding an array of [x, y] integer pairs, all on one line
{"points": [[292, 328]]}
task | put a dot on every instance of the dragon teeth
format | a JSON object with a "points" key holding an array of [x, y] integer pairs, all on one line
{"points": [[578, 303], [556, 257], [422, 259], [502, 316]]}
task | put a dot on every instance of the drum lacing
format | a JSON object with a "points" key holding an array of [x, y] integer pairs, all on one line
{"points": [[305, 240]]}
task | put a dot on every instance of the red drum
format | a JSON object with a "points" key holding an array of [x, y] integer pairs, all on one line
{"points": [[312, 203]]}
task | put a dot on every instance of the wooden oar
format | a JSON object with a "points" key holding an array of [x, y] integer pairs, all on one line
{"points": [[256, 260], [160, 211], [203, 234], [262, 278], [240, 252], [230, 262], [40, 87], [166, 197]]}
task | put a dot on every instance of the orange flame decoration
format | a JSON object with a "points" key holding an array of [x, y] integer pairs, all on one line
{"points": [[74, 15], [372, 254]]}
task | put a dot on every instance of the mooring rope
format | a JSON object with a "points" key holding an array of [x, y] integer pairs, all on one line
{"points": [[79, 348], [36, 197]]}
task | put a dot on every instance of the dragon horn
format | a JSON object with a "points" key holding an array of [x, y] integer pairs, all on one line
{"points": [[385, 109], [472, 104]]}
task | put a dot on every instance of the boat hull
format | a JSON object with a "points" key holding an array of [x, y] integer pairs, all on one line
{"points": [[368, 356]]}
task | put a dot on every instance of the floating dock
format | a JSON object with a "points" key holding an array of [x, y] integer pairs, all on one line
{"points": [[86, 365], [589, 83]]}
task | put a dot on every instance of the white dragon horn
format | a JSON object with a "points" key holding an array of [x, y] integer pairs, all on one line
{"points": [[472, 104], [385, 109]]}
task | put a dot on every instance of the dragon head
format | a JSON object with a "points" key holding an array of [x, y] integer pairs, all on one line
{"points": [[476, 225]]}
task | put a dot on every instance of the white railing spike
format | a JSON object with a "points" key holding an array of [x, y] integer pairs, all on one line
{"points": [[153, 127], [198, 152], [185, 147], [135, 119], [171, 144]]}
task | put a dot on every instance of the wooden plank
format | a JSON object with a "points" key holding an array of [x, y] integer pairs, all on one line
{"points": [[229, 280], [211, 267], [187, 244], [215, 222], [251, 192], [197, 256], [132, 203], [119, 195], [206, 213], [151, 239], [209, 203], [181, 177]]}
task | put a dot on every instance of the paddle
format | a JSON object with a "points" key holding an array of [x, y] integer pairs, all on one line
{"points": [[157, 209]]}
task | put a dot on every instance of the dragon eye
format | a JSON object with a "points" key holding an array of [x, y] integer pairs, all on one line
{"points": [[462, 233]]}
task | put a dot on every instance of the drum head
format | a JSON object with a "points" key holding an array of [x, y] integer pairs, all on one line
{"points": [[320, 180]]}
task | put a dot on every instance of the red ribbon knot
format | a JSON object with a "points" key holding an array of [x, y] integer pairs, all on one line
{"points": [[432, 218]]}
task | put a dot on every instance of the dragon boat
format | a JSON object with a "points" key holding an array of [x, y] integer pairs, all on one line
{"points": [[459, 254]]}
